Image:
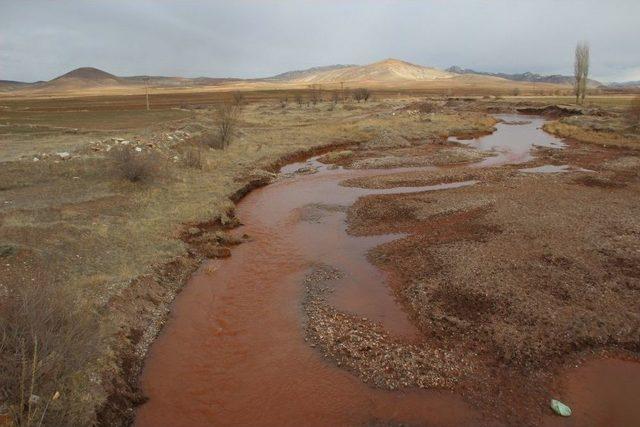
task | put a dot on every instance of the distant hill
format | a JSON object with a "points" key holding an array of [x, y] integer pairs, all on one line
{"points": [[297, 74], [86, 73], [6, 85], [625, 85], [90, 78], [85, 76], [387, 71], [525, 77]]}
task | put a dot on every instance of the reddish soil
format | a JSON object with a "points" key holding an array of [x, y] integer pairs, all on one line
{"points": [[485, 298]]}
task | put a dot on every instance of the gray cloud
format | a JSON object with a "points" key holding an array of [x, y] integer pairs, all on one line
{"points": [[256, 38]]}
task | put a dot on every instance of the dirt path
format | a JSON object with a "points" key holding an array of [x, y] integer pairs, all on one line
{"points": [[299, 327]]}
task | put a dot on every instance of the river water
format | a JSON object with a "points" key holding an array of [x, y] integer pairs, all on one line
{"points": [[233, 351]]}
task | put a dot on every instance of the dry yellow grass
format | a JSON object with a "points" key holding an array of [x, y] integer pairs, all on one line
{"points": [[603, 138]]}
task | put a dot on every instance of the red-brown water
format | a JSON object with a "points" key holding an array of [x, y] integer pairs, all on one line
{"points": [[233, 351], [601, 393], [513, 143]]}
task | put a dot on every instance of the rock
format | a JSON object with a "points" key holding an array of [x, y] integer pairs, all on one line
{"points": [[138, 149], [123, 142], [64, 155], [307, 170], [213, 251], [560, 408], [35, 159]]}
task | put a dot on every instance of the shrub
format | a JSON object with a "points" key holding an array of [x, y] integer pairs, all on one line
{"points": [[516, 92], [193, 157], [427, 107], [298, 98], [227, 116], [49, 340], [238, 98], [361, 94], [135, 166]]}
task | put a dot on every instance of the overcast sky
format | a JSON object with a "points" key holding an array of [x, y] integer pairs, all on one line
{"points": [[257, 38]]}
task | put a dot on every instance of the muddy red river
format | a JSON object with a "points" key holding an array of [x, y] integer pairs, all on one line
{"points": [[233, 351]]}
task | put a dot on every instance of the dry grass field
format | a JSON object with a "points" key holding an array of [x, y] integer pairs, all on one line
{"points": [[120, 247]]}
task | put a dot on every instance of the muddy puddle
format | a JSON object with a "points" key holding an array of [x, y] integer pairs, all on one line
{"points": [[233, 351], [554, 169], [513, 140]]}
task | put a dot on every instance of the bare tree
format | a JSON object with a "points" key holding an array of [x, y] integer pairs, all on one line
{"points": [[316, 94], [335, 97], [227, 116], [299, 99], [238, 97], [361, 94], [581, 71]]}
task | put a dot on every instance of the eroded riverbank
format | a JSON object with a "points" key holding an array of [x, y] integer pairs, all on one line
{"points": [[237, 352]]}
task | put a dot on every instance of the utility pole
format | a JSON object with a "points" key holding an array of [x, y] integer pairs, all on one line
{"points": [[146, 84]]}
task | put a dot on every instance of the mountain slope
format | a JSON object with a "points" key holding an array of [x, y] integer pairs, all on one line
{"points": [[390, 73], [7, 85], [625, 85], [387, 71], [298, 74], [85, 76]]}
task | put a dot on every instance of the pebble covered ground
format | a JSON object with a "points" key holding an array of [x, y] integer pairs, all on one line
{"points": [[360, 345]]}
